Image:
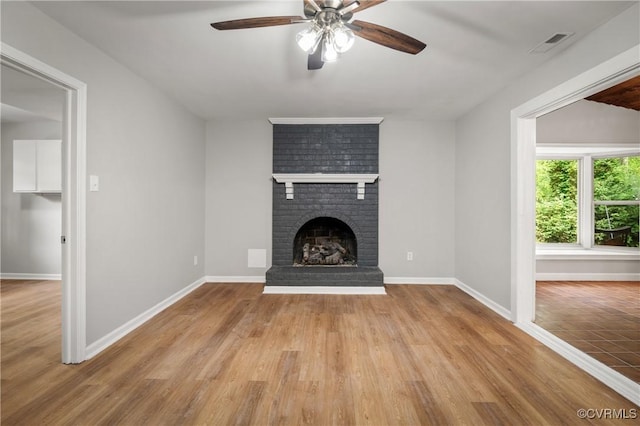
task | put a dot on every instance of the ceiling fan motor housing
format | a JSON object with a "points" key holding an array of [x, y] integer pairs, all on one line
{"points": [[330, 12]]}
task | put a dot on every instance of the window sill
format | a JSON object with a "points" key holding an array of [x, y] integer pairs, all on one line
{"points": [[578, 253]]}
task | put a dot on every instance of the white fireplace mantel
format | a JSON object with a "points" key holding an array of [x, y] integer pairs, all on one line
{"points": [[290, 178]]}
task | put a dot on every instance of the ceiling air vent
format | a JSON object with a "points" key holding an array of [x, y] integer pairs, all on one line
{"points": [[551, 42]]}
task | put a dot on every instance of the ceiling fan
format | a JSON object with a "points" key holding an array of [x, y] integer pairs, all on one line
{"points": [[331, 31]]}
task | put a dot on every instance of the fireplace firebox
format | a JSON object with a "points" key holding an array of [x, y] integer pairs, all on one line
{"points": [[325, 241]]}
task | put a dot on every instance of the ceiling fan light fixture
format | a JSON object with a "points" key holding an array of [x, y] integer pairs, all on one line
{"points": [[329, 52], [343, 38], [309, 38]]}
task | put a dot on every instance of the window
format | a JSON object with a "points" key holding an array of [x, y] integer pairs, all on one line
{"points": [[587, 197], [616, 191], [557, 201]]}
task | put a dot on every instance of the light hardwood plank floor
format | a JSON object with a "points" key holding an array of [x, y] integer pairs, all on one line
{"points": [[227, 354]]}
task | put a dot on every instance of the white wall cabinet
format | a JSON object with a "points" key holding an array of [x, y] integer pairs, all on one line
{"points": [[37, 166]]}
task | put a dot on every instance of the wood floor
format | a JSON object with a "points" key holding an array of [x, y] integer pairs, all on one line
{"points": [[227, 354], [601, 318]]}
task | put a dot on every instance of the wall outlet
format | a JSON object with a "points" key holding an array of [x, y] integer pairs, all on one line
{"points": [[409, 255], [195, 260]]}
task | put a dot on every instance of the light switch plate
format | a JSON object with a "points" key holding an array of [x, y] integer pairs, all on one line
{"points": [[94, 183]]}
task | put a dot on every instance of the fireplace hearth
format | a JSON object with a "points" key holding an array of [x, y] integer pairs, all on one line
{"points": [[325, 206]]}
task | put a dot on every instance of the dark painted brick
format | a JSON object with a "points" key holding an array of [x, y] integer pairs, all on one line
{"points": [[325, 149]]}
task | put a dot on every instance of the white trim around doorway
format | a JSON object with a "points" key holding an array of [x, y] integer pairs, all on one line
{"points": [[74, 177], [523, 254]]}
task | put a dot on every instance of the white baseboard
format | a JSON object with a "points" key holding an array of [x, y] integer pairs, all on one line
{"points": [[420, 280], [12, 276], [235, 279], [387, 280], [452, 281], [500, 310], [285, 289], [543, 276], [616, 381], [101, 344]]}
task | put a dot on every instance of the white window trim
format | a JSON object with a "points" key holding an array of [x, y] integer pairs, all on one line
{"points": [[584, 249], [586, 233]]}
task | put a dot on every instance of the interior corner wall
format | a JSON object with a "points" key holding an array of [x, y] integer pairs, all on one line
{"points": [[238, 197], [31, 223], [146, 223], [483, 191], [416, 197], [417, 172]]}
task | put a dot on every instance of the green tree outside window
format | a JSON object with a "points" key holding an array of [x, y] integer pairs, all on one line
{"points": [[557, 201], [616, 191]]}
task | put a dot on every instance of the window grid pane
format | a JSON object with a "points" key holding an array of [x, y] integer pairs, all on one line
{"points": [[557, 201], [616, 178], [616, 225], [616, 190]]}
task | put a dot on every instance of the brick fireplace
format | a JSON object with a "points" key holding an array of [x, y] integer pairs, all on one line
{"points": [[325, 206]]}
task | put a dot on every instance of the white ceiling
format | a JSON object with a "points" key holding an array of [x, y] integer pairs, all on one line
{"points": [[473, 49]]}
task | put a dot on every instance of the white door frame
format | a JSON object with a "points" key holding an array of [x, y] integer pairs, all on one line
{"points": [[74, 178], [523, 153]]}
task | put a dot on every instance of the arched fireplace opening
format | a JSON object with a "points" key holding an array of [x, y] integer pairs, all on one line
{"points": [[325, 241]]}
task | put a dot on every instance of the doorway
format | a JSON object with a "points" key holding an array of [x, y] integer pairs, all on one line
{"points": [[73, 202], [587, 257], [32, 215], [523, 125]]}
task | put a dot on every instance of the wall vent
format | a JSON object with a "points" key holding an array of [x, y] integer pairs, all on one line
{"points": [[550, 42]]}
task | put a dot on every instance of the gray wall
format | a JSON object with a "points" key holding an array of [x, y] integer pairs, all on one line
{"points": [[587, 123], [417, 173], [589, 269], [146, 223], [482, 191], [31, 223], [238, 196], [415, 202]]}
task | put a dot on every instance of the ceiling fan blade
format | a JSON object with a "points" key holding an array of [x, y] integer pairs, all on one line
{"points": [[267, 21], [314, 61], [365, 4], [387, 37]]}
